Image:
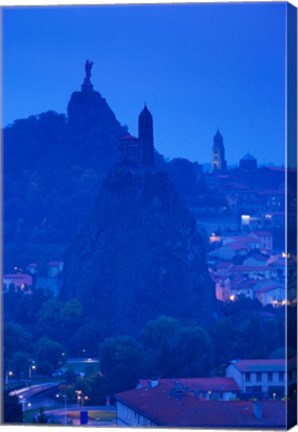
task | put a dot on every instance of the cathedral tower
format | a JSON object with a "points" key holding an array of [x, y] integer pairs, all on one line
{"points": [[146, 137], [218, 154]]}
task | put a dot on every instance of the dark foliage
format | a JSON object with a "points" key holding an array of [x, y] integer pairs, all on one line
{"points": [[12, 409]]}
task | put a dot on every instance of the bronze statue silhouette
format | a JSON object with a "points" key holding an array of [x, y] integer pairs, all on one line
{"points": [[88, 67]]}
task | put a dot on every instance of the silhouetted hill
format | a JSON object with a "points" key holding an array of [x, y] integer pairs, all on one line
{"points": [[139, 255], [53, 167]]}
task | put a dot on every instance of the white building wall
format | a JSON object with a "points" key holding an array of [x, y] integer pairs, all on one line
{"points": [[265, 380], [127, 416], [233, 372]]}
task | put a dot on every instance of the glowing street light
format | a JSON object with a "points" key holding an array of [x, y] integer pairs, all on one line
{"points": [[58, 395], [32, 368], [8, 375]]}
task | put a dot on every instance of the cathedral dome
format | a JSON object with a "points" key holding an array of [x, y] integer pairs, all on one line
{"points": [[248, 162], [248, 156]]}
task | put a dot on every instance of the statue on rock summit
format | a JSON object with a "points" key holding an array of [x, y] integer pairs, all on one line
{"points": [[87, 83], [88, 67]]}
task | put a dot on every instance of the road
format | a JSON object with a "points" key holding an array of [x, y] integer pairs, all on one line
{"points": [[27, 392]]}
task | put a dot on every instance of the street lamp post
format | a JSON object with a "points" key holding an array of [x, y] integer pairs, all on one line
{"points": [[81, 399], [65, 406], [23, 402], [7, 376], [32, 367]]}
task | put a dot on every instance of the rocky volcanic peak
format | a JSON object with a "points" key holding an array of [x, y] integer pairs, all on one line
{"points": [[86, 109], [139, 255]]}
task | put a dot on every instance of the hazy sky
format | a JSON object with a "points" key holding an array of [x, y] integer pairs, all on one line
{"points": [[198, 67]]}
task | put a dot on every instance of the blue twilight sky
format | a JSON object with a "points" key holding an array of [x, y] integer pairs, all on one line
{"points": [[199, 67]]}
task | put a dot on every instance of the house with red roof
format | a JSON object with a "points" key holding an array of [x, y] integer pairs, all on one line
{"points": [[268, 376], [273, 294], [214, 388], [162, 406], [255, 271], [244, 287], [17, 280], [55, 268], [265, 238], [256, 259]]}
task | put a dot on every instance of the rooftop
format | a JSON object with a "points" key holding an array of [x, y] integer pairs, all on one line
{"points": [[248, 156], [264, 365], [164, 408], [221, 384]]}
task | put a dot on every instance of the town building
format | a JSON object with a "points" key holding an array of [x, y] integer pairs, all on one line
{"points": [[273, 377], [55, 268], [161, 406], [214, 388], [17, 281]]}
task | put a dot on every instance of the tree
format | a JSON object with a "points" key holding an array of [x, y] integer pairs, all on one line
{"points": [[156, 338], [20, 363], [15, 339], [119, 362], [71, 316], [48, 318], [191, 352], [88, 336], [51, 352], [12, 409], [172, 349]]}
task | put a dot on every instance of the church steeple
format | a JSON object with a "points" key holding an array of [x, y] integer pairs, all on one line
{"points": [[146, 137], [218, 154]]}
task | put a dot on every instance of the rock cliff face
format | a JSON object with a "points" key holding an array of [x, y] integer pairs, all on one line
{"points": [[87, 109], [139, 255]]}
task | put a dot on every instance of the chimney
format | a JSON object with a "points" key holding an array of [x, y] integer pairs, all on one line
{"points": [[153, 383], [258, 410]]}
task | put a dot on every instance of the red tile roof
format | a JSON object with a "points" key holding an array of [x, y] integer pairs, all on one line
{"points": [[244, 284], [245, 268], [232, 414], [237, 245], [261, 233], [19, 279], [156, 403], [264, 365], [259, 257], [269, 288], [220, 384], [166, 408]]}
